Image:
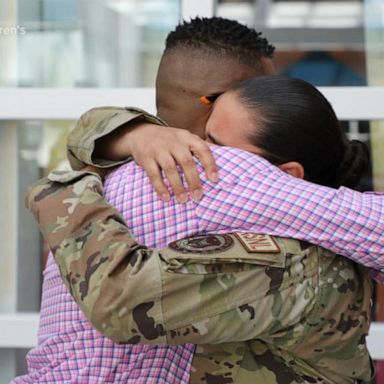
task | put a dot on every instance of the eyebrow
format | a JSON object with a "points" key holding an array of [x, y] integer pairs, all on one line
{"points": [[215, 141]]}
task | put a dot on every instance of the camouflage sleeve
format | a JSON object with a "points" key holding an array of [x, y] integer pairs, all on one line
{"points": [[93, 125], [205, 289]]}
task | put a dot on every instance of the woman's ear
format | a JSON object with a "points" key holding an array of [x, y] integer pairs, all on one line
{"points": [[293, 168]]}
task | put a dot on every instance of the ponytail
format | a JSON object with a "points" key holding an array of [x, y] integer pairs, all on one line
{"points": [[353, 165]]}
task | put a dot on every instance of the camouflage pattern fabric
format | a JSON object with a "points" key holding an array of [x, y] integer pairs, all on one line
{"points": [[263, 309], [97, 123]]}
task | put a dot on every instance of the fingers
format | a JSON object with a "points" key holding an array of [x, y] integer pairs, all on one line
{"points": [[168, 165], [184, 159], [156, 178], [165, 164], [204, 154], [169, 154]]}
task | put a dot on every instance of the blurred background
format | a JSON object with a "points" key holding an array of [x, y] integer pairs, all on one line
{"points": [[61, 57]]}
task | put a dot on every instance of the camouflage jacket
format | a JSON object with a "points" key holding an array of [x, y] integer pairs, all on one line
{"points": [[263, 309], [97, 123]]}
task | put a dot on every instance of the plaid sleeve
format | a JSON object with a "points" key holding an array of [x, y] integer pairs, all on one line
{"points": [[256, 196]]}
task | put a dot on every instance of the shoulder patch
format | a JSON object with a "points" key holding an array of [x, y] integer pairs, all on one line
{"points": [[206, 244], [256, 243]]}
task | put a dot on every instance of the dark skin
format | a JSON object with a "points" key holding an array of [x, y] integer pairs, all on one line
{"points": [[231, 124], [183, 76]]}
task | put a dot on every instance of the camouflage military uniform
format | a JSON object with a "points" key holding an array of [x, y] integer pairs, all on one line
{"points": [[96, 123], [263, 309]]}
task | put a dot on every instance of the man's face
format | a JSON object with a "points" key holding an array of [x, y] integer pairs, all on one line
{"points": [[186, 75]]}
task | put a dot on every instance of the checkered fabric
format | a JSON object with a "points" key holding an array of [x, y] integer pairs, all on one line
{"points": [[252, 196], [70, 350]]}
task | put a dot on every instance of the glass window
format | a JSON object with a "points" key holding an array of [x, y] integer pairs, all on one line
{"points": [[118, 43], [319, 41], [29, 149], [83, 43], [34, 148], [60, 44]]}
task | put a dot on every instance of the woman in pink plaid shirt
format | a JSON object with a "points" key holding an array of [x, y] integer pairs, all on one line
{"points": [[287, 139]]}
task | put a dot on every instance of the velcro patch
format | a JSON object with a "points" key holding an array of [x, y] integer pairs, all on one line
{"points": [[205, 244], [256, 243]]}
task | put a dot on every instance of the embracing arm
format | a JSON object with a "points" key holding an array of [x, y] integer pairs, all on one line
{"points": [[94, 129], [134, 294], [254, 195], [108, 136]]}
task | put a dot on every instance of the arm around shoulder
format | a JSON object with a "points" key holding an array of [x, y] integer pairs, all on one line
{"points": [[95, 127], [134, 294]]}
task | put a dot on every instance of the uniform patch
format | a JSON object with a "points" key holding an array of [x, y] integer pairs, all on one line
{"points": [[256, 243], [203, 244]]}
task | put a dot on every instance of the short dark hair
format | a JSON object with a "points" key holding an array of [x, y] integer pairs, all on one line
{"points": [[299, 124], [223, 37]]}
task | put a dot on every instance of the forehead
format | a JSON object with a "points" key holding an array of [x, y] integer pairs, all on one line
{"points": [[197, 73]]}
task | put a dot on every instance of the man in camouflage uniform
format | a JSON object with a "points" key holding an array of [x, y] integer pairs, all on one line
{"points": [[293, 300], [280, 310]]}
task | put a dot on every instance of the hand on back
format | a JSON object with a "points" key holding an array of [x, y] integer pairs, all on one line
{"points": [[164, 152]]}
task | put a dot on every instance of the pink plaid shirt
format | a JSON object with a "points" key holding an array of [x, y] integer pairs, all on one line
{"points": [[251, 195]]}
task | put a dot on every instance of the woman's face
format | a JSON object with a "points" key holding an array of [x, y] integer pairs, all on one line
{"points": [[230, 124]]}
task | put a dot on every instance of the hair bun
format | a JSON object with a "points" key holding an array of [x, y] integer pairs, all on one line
{"points": [[353, 165]]}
